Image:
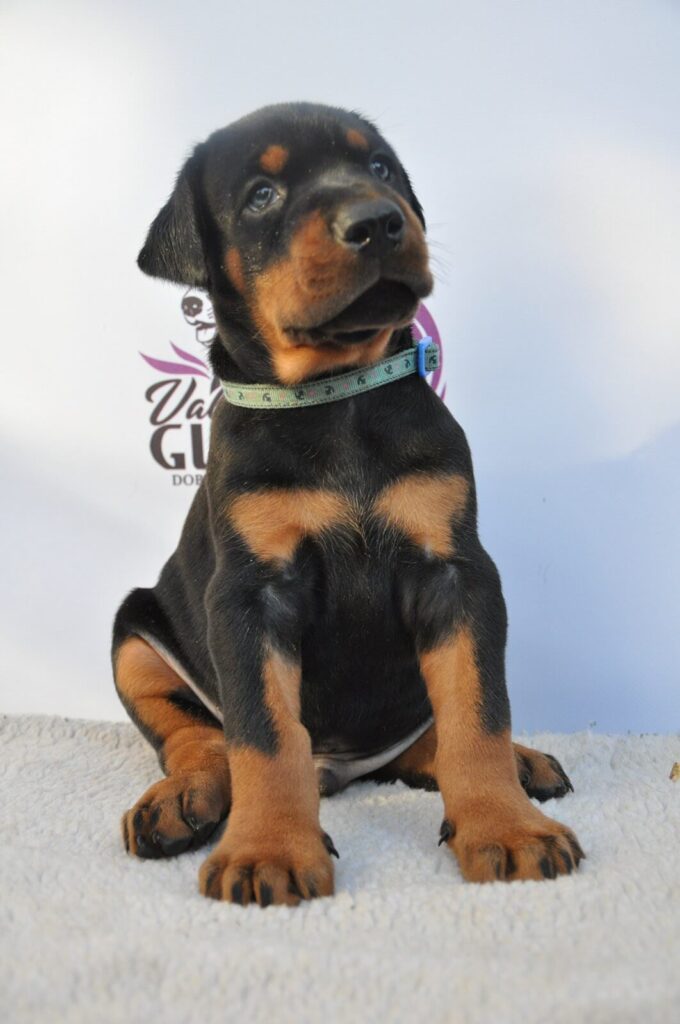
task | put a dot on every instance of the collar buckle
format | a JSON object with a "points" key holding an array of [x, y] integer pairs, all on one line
{"points": [[427, 355]]}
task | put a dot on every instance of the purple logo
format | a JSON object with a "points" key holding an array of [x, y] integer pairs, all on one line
{"points": [[185, 393]]}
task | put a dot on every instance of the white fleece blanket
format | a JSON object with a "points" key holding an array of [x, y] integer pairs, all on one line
{"points": [[90, 934]]}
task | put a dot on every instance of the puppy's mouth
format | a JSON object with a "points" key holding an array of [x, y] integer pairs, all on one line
{"points": [[385, 304]]}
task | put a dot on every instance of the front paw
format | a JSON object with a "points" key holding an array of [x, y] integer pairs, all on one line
{"points": [[273, 869], [493, 841]]}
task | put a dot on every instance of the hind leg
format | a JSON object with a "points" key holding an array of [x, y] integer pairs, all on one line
{"points": [[182, 811], [541, 775], [414, 766]]}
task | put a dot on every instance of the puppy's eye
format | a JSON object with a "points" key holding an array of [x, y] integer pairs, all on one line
{"points": [[261, 197], [380, 168]]}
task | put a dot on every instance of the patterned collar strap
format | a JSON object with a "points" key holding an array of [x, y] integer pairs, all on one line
{"points": [[421, 359]]}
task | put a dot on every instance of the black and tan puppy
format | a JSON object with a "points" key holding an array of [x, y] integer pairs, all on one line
{"points": [[329, 612]]}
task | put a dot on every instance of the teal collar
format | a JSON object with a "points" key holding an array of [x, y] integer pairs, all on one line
{"points": [[421, 359]]}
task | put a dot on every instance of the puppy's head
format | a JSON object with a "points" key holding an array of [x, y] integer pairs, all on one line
{"points": [[302, 225]]}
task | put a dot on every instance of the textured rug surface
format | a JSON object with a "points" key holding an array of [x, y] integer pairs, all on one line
{"points": [[90, 934]]}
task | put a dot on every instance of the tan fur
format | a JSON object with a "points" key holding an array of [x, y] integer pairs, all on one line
{"points": [[425, 507], [315, 271], [498, 831], [356, 138], [282, 688], [454, 688], [145, 680], [234, 268], [194, 755], [419, 760], [273, 833], [304, 361], [311, 271], [273, 522], [274, 159], [542, 771]]}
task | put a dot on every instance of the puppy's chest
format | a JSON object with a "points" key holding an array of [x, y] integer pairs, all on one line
{"points": [[417, 507]]}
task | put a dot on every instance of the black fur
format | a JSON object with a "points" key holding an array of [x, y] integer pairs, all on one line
{"points": [[174, 249], [193, 707], [356, 608]]}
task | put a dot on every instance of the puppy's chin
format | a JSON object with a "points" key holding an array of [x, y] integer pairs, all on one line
{"points": [[384, 305], [356, 334], [302, 361]]}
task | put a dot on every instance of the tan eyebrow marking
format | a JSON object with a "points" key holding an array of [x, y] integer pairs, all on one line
{"points": [[274, 159], [356, 138]]}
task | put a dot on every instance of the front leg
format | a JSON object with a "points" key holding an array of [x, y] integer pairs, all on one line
{"points": [[489, 822], [273, 849]]}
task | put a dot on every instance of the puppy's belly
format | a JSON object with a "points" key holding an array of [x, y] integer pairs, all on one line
{"points": [[336, 761], [336, 768], [361, 684], [367, 707], [361, 690]]}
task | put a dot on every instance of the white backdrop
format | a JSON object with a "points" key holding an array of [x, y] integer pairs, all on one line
{"points": [[543, 142]]}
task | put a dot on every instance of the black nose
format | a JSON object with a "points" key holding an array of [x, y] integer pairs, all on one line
{"points": [[192, 306], [374, 227]]}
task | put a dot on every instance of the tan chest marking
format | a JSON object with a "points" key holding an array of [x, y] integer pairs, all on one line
{"points": [[274, 522], [425, 507]]}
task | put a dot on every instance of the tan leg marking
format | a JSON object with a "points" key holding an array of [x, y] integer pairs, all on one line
{"points": [[273, 850], [495, 831], [425, 507], [181, 811]]}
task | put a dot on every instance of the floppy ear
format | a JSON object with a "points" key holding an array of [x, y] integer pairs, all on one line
{"points": [[413, 200], [173, 249]]}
